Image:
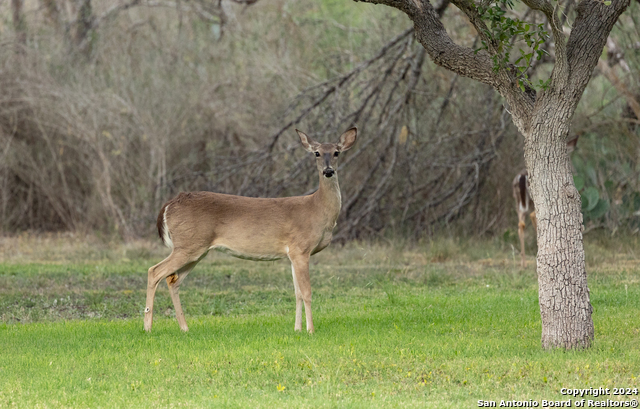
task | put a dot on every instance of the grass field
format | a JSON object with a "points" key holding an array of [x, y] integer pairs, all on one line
{"points": [[440, 324]]}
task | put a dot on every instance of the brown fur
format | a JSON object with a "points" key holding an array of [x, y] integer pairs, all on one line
{"points": [[219, 219], [252, 228]]}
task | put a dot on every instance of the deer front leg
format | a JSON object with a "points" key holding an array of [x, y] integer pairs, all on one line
{"points": [[521, 226], [302, 286], [296, 287]]}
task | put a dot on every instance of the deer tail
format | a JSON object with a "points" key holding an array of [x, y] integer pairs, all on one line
{"points": [[523, 192], [163, 229]]}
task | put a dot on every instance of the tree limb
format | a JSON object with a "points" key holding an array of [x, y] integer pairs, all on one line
{"points": [[591, 29], [464, 61], [560, 72], [431, 33]]}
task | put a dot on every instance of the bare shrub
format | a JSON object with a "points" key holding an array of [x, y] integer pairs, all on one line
{"points": [[97, 132]]}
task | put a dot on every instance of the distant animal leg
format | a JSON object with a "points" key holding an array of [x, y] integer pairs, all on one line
{"points": [[521, 227], [534, 221]]}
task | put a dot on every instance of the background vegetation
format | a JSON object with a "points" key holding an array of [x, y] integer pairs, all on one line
{"points": [[109, 108]]}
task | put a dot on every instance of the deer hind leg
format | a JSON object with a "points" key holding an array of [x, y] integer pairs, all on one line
{"points": [[173, 282], [521, 226], [534, 221], [302, 286], [176, 263]]}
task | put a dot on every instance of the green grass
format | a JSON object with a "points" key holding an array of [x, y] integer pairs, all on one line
{"points": [[393, 329]]}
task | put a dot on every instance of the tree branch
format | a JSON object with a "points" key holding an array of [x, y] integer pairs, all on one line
{"points": [[430, 32], [560, 72], [607, 68], [471, 11], [593, 23], [464, 61]]}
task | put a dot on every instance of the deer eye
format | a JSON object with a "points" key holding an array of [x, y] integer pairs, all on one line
{"points": [[317, 154], [336, 154]]}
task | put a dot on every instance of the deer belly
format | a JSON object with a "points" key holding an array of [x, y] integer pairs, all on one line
{"points": [[249, 254]]}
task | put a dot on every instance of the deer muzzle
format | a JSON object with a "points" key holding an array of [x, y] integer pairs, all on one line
{"points": [[328, 172]]}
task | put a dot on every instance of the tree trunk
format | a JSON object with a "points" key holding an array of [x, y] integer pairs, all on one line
{"points": [[562, 278], [544, 119]]}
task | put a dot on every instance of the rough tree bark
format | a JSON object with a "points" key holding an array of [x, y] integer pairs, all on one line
{"points": [[544, 119]]}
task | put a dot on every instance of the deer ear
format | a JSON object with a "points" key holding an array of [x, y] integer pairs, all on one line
{"points": [[347, 139], [308, 143]]}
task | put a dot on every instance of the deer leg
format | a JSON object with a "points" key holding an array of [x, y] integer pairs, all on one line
{"points": [[302, 285], [521, 226], [170, 265], [534, 221], [296, 287], [173, 282]]}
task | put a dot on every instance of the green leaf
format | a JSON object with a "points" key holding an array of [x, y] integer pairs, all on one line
{"points": [[601, 207], [577, 179]]}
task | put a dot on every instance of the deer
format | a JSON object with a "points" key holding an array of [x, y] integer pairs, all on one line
{"points": [[259, 229], [524, 203]]}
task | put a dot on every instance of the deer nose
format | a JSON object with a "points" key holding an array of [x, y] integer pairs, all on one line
{"points": [[328, 172]]}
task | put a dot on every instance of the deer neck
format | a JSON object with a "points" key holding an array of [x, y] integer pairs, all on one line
{"points": [[329, 199]]}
